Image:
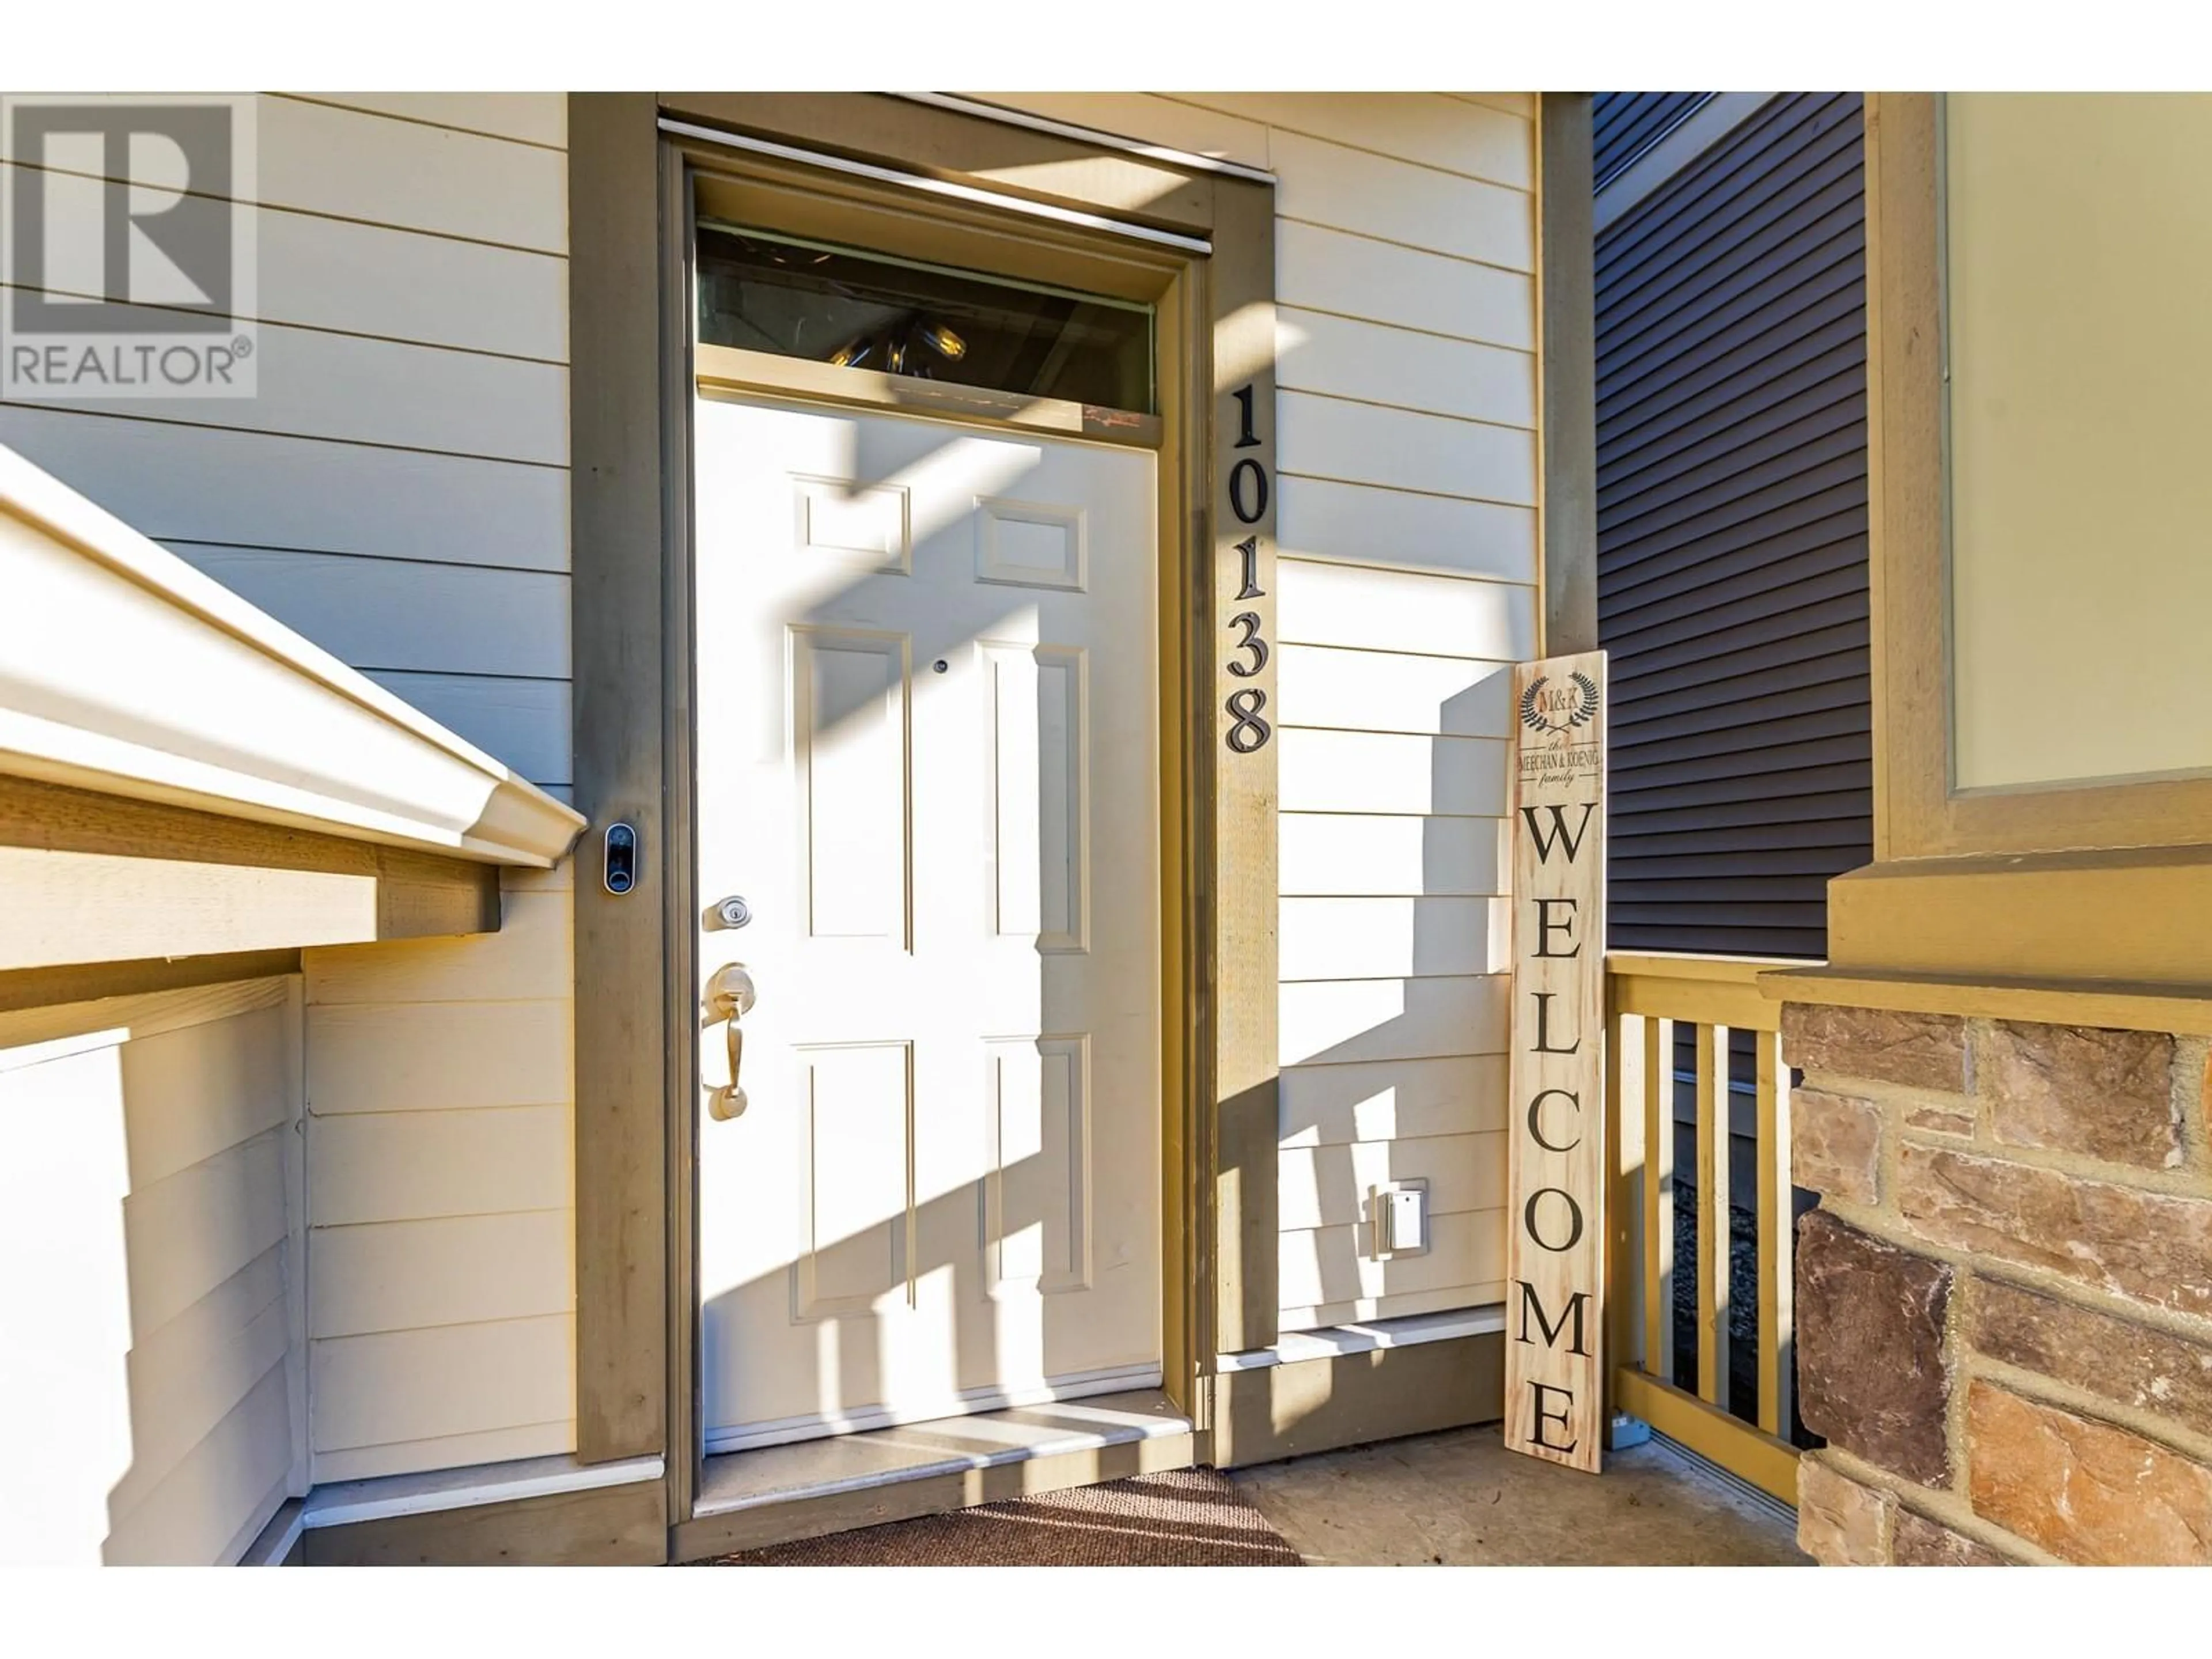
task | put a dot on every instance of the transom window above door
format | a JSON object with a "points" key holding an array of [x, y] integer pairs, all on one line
{"points": [[866, 311]]}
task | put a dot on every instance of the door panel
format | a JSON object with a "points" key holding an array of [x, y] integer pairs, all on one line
{"points": [[927, 753], [1035, 754]]}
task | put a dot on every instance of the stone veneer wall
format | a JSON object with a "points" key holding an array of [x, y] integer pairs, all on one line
{"points": [[2004, 1300]]}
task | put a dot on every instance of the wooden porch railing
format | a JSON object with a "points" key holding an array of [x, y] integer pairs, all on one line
{"points": [[1647, 997]]}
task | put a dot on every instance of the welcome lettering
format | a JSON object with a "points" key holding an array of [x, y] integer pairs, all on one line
{"points": [[1555, 1379]]}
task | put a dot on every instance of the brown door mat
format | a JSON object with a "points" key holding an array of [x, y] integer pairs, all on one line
{"points": [[1185, 1518]]}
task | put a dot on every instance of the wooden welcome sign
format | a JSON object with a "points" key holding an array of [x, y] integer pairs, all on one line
{"points": [[1555, 1182]]}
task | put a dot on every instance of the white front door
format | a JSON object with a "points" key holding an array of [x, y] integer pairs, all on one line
{"points": [[928, 761]]}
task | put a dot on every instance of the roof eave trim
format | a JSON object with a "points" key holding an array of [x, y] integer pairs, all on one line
{"points": [[124, 670]]}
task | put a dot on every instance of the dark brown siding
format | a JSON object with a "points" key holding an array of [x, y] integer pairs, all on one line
{"points": [[1732, 537]]}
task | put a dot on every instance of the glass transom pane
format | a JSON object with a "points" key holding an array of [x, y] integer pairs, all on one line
{"points": [[855, 310]]}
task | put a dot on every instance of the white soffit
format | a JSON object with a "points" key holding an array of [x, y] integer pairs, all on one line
{"points": [[124, 670]]}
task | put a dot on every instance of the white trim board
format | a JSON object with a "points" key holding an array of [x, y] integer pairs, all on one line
{"points": [[1409, 1332], [345, 1502], [1719, 115]]}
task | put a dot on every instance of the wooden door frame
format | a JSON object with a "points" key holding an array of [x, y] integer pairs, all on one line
{"points": [[637, 1386]]}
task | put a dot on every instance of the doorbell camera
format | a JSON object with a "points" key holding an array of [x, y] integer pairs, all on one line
{"points": [[621, 873]]}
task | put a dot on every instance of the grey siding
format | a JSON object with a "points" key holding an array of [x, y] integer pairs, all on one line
{"points": [[1732, 537], [1625, 125]]}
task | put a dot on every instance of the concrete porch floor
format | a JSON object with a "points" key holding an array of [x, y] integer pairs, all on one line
{"points": [[1460, 1498]]}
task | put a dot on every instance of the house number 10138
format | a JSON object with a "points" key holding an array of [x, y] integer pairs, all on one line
{"points": [[1248, 500]]}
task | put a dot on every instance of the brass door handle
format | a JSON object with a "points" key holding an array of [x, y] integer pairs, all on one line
{"points": [[730, 992], [729, 998], [726, 1101]]}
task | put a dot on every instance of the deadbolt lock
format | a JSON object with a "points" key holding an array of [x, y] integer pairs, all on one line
{"points": [[734, 912]]}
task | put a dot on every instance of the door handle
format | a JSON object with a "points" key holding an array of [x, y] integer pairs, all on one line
{"points": [[730, 992], [729, 998]]}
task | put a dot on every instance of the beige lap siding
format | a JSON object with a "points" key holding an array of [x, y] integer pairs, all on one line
{"points": [[150, 1280], [398, 492], [397, 488], [1407, 374], [442, 1191]]}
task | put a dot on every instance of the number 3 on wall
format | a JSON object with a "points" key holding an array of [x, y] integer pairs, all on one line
{"points": [[1248, 500]]}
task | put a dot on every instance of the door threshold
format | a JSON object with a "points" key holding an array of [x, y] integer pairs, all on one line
{"points": [[775, 1494]]}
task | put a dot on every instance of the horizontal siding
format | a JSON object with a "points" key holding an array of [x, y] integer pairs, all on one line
{"points": [[1330, 1276], [1732, 534], [451, 1451], [441, 1133], [1379, 363], [1330, 1185], [437, 1056], [412, 407], [411, 1166], [1320, 519], [355, 389], [198, 1365], [1331, 1022], [398, 492], [530, 117], [202, 1223], [150, 1257], [186, 483], [1318, 269], [1403, 611], [356, 164], [1513, 103], [1325, 771], [1319, 183], [1625, 125], [1390, 692], [455, 1270], [527, 960], [214, 1502], [525, 722], [384, 615], [1420, 127], [1341, 937], [1397, 855], [401, 1388], [1405, 449], [219, 1087], [1334, 1104], [1400, 1304], [1174, 123], [317, 272], [1405, 373]]}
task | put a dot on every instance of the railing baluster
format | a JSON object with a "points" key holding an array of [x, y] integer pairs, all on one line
{"points": [[1713, 1214], [1624, 1115], [1648, 995], [1777, 1315], [1659, 1198]]}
